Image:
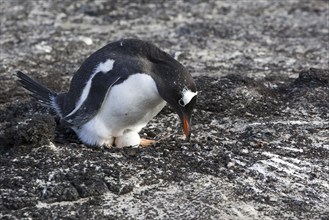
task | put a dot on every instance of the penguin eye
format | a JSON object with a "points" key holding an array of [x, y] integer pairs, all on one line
{"points": [[181, 102]]}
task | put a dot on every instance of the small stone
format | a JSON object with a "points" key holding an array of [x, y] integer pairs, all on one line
{"points": [[230, 164]]}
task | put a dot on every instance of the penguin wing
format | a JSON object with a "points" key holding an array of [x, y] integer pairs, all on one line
{"points": [[91, 99]]}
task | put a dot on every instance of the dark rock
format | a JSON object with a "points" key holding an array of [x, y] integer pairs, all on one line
{"points": [[313, 78]]}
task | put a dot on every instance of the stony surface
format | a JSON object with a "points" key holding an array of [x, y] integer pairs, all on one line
{"points": [[260, 144]]}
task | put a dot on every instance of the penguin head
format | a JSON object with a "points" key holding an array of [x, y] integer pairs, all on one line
{"points": [[184, 107], [178, 89]]}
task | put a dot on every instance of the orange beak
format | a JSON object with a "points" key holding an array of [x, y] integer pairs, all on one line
{"points": [[186, 128]]}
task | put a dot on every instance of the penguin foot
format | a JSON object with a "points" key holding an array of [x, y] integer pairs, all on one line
{"points": [[146, 142]]}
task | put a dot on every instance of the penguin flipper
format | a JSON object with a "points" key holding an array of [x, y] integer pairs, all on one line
{"points": [[100, 87]]}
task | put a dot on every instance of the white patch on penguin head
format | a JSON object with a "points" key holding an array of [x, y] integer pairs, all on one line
{"points": [[187, 96], [105, 67]]}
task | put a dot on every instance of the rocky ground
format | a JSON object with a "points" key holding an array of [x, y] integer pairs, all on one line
{"points": [[260, 143]]}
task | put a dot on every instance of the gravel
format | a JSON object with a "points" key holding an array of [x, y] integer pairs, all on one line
{"points": [[260, 141]]}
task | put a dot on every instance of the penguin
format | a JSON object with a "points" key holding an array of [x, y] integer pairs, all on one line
{"points": [[117, 90]]}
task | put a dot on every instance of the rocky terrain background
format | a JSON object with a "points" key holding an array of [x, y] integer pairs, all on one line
{"points": [[260, 143]]}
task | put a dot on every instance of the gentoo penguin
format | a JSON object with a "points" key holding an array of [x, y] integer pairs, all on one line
{"points": [[118, 90]]}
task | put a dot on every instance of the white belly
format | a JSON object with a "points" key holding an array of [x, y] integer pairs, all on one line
{"points": [[128, 107], [131, 105]]}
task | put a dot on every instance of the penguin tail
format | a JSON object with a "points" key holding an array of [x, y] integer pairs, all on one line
{"points": [[40, 92]]}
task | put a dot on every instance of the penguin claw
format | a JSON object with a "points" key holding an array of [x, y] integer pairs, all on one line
{"points": [[147, 143], [108, 146]]}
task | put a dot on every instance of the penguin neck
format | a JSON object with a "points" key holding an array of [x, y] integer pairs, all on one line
{"points": [[165, 88]]}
